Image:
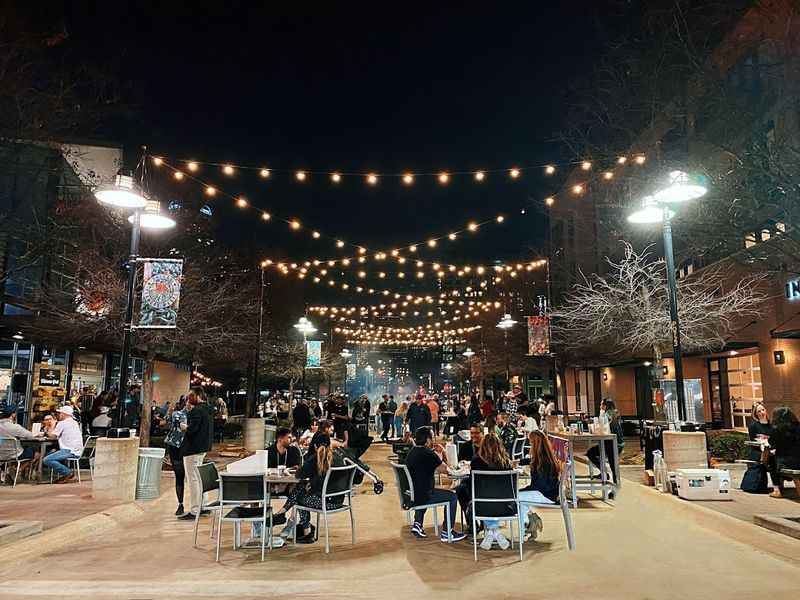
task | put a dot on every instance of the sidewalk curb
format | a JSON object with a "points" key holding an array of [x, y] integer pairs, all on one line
{"points": [[68, 534], [760, 539]]}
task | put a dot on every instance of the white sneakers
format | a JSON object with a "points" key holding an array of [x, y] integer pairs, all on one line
{"points": [[491, 536]]}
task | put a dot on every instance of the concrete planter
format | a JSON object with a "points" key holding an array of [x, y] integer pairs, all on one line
{"points": [[116, 463], [253, 434]]}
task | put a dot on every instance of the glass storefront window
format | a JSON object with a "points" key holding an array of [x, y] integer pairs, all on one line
{"points": [[6, 355]]}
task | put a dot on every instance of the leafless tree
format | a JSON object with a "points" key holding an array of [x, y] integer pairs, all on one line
{"points": [[627, 311]]}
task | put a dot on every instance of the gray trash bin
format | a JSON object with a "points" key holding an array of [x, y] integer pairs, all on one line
{"points": [[148, 479]]}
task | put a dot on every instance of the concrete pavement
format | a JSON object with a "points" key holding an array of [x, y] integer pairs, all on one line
{"points": [[648, 546]]}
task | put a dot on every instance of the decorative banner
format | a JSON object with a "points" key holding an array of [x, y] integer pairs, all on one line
{"points": [[161, 293], [476, 368], [313, 354], [538, 336], [351, 371]]}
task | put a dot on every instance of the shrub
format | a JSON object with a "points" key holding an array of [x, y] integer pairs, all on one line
{"points": [[727, 445]]}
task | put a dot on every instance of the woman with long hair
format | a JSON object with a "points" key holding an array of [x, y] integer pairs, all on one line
{"points": [[314, 469], [491, 456], [545, 469], [785, 442], [175, 416], [608, 410]]}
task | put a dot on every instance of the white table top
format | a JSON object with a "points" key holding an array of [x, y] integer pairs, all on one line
{"points": [[257, 465]]}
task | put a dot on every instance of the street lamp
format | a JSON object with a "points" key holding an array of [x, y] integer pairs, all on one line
{"points": [[505, 324], [655, 209], [345, 354], [125, 194], [468, 353], [305, 327]]}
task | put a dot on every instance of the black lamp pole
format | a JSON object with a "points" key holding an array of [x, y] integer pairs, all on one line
{"points": [[127, 337], [673, 313]]}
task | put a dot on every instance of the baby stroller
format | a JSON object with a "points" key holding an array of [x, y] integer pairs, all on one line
{"points": [[362, 469]]}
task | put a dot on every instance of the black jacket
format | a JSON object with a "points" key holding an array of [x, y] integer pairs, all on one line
{"points": [[199, 431]]}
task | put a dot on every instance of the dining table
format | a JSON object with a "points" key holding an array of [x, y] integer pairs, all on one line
{"points": [[565, 443], [40, 444]]}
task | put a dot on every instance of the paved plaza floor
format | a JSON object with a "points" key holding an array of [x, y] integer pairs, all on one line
{"points": [[646, 545]]}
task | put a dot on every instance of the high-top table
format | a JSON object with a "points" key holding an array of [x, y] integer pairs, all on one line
{"points": [[566, 451], [40, 445]]}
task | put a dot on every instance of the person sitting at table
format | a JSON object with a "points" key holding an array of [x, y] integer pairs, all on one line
{"points": [[608, 409], [759, 429], [281, 453], [491, 456], [309, 493], [545, 469], [785, 442], [305, 439], [423, 461], [70, 444], [323, 436], [468, 449], [9, 429], [102, 420]]}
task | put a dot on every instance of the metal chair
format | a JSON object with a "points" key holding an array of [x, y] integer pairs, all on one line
{"points": [[563, 504], [235, 492], [209, 482], [518, 448], [494, 498], [405, 491], [87, 454], [338, 483], [10, 448]]}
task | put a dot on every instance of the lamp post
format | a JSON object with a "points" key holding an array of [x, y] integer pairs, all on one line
{"points": [[368, 378], [345, 354], [305, 327], [656, 209], [125, 194], [257, 358], [505, 324]]}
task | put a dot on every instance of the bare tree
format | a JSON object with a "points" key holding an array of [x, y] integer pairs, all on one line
{"points": [[627, 311]]}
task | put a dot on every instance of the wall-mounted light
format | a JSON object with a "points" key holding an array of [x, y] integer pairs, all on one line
{"points": [[779, 357], [605, 376], [665, 369]]}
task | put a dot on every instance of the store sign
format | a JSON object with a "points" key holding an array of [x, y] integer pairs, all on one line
{"points": [[313, 354], [50, 377], [161, 293], [793, 289]]}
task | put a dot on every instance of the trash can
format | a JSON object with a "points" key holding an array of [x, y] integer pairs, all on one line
{"points": [[270, 433], [148, 479]]}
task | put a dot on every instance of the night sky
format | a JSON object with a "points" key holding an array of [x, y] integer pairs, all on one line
{"points": [[353, 89]]}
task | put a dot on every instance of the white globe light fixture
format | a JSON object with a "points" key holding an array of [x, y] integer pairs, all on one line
{"points": [[650, 212], [682, 188], [345, 353], [151, 217], [468, 353], [123, 193], [506, 322]]}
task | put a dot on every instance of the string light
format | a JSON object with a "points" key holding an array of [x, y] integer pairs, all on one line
{"points": [[408, 178], [640, 158], [315, 235], [264, 173], [431, 243], [295, 224], [444, 178], [549, 169], [514, 173], [336, 177], [451, 236], [499, 219], [549, 201], [608, 175], [473, 226], [241, 202], [192, 166], [178, 175], [158, 161], [300, 176], [211, 191], [586, 165], [577, 188], [265, 216], [621, 160], [372, 179], [227, 169], [480, 175], [339, 244]]}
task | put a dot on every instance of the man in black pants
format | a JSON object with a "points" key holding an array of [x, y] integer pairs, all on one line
{"points": [[387, 417], [423, 461], [301, 417], [393, 409]]}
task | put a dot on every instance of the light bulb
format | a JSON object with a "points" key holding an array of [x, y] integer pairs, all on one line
{"points": [[227, 169], [178, 175], [408, 179], [158, 161], [339, 244], [480, 175], [265, 216], [241, 202], [300, 175], [294, 224], [335, 177], [372, 179], [211, 191], [586, 165], [577, 188], [192, 166], [514, 173], [473, 226], [444, 178], [500, 218], [549, 201], [549, 169]]}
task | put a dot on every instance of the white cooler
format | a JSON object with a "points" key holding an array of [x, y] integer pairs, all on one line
{"points": [[703, 484]]}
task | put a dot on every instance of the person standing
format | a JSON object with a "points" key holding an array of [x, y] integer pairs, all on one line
{"points": [[174, 419], [340, 416], [419, 415], [70, 444], [198, 434], [400, 417], [393, 410], [608, 409], [433, 408], [785, 441], [387, 416], [301, 417]]}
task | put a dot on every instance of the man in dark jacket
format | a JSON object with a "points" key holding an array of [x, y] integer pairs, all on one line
{"points": [[301, 417], [197, 439], [418, 415]]}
